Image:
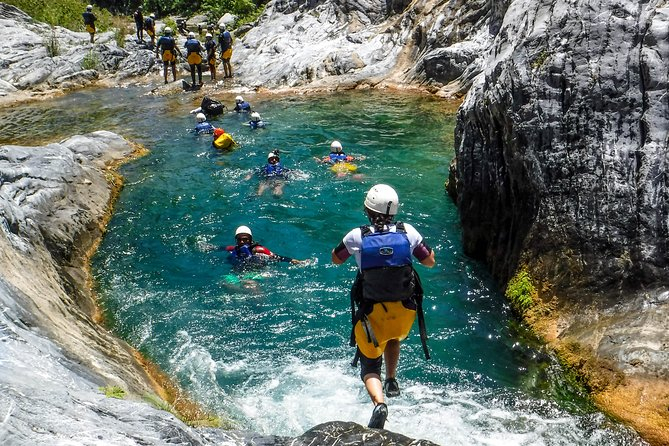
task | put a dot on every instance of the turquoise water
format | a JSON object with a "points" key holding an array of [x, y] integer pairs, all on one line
{"points": [[275, 358]]}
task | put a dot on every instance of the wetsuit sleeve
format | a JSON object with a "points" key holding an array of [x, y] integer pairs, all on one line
{"points": [[262, 250], [422, 251], [341, 252], [419, 248]]}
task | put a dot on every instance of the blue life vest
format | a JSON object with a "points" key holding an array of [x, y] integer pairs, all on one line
{"points": [[204, 127], [256, 124], [337, 157], [243, 257], [273, 170], [166, 43], [193, 46], [225, 40], [386, 265], [243, 107]]}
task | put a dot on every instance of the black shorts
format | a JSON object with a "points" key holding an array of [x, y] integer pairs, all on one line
{"points": [[368, 365]]}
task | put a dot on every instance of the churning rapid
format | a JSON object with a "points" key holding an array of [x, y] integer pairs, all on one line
{"points": [[275, 358]]}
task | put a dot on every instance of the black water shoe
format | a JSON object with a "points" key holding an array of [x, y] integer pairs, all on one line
{"points": [[391, 388], [379, 416]]}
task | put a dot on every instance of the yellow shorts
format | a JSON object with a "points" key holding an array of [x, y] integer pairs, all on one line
{"points": [[90, 29], [227, 54], [169, 56], [194, 59], [392, 322]]}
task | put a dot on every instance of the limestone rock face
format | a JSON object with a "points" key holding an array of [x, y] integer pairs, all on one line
{"points": [[562, 151], [343, 44], [35, 56]]}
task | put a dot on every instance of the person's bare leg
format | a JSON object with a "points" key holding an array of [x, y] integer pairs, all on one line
{"points": [[374, 387], [392, 357]]}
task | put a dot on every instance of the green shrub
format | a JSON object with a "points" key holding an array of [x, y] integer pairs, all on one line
{"points": [[520, 291], [91, 61], [51, 44], [65, 13], [119, 37], [113, 392]]}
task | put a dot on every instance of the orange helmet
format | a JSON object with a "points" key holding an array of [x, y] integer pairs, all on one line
{"points": [[218, 132]]}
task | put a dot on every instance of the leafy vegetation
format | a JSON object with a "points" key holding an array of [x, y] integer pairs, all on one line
{"points": [[91, 61], [65, 13], [51, 44], [521, 291], [113, 392]]}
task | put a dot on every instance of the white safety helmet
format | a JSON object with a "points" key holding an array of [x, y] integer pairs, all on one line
{"points": [[243, 230], [336, 145], [152, 15], [221, 26], [239, 99], [200, 117], [88, 8], [167, 30], [208, 36], [382, 199], [255, 116], [191, 35], [271, 155]]}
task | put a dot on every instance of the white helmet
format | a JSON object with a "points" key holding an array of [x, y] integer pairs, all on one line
{"points": [[88, 8], [336, 145], [382, 199], [255, 116], [208, 36], [243, 230], [221, 26], [152, 15], [239, 99], [191, 35], [200, 117], [167, 30], [271, 155]]}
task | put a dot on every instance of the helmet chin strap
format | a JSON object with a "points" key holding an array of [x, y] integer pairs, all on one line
{"points": [[388, 209]]}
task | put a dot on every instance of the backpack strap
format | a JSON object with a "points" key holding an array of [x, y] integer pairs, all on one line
{"points": [[418, 298]]}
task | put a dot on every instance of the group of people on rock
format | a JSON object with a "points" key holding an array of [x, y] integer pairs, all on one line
{"points": [[386, 297], [167, 50], [194, 54]]}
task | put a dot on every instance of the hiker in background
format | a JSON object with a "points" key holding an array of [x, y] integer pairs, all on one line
{"points": [[225, 44], [150, 27], [89, 21], [168, 45], [210, 47], [139, 24]]}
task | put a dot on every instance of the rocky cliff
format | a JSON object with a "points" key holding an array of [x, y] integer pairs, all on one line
{"points": [[562, 150]]}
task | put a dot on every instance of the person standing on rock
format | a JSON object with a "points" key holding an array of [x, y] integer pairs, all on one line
{"points": [[193, 50], [387, 292], [139, 24], [89, 21], [225, 43], [150, 27], [210, 47], [168, 45]]}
